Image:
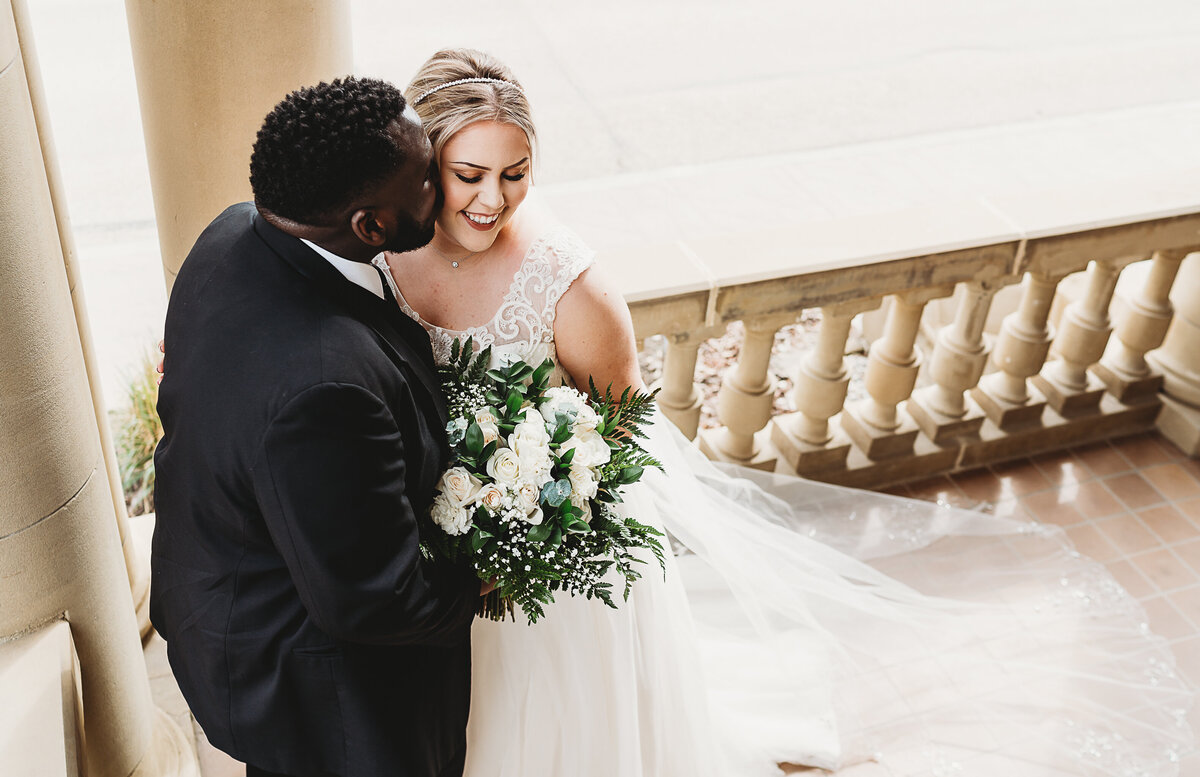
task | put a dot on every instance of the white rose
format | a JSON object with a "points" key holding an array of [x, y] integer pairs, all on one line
{"points": [[490, 496], [590, 449], [527, 495], [562, 399], [583, 483], [490, 432], [454, 520], [458, 485], [504, 466], [534, 518], [486, 416], [531, 430], [586, 420]]}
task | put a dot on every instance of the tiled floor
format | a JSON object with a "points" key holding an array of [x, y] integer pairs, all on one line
{"points": [[1132, 503]]}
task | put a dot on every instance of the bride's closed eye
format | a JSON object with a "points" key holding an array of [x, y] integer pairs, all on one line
{"points": [[479, 178]]}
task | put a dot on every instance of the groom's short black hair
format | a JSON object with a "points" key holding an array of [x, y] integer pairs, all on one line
{"points": [[324, 145]]}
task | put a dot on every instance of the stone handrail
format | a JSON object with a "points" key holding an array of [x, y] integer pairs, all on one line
{"points": [[962, 418]]}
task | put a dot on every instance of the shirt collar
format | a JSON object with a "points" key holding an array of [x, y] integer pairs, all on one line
{"points": [[359, 273]]}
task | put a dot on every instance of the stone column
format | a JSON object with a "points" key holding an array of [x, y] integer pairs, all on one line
{"points": [[1067, 383], [1005, 395], [679, 398], [60, 552], [137, 563], [1124, 369], [745, 399], [807, 439], [1179, 362], [879, 425], [207, 74], [959, 356]]}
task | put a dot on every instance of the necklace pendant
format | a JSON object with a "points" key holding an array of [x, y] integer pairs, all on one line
{"points": [[454, 265]]}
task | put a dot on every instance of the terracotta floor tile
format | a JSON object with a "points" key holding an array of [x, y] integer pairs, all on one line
{"points": [[1133, 490], [1189, 552], [1010, 508], [1187, 601], [1095, 500], [1145, 450], [1172, 481], [1128, 534], [1166, 570], [1021, 477], [1165, 620], [1101, 459], [980, 484], [1091, 543], [1169, 523], [1061, 467], [940, 489], [1190, 508], [1131, 579], [1046, 507]]}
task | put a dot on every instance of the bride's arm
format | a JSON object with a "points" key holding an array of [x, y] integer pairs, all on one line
{"points": [[593, 334]]}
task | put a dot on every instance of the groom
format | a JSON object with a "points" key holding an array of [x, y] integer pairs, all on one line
{"points": [[304, 434]]}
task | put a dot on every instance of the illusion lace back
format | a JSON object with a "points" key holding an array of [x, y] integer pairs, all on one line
{"points": [[811, 624]]}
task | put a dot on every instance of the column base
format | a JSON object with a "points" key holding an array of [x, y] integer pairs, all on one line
{"points": [[765, 457], [1180, 424], [1054, 432], [940, 427], [1007, 415], [878, 444], [805, 458], [1069, 402], [172, 752], [1129, 390]]}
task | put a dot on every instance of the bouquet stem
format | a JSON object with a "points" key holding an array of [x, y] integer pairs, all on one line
{"points": [[496, 607]]}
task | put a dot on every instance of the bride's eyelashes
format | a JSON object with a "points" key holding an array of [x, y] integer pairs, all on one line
{"points": [[479, 178]]}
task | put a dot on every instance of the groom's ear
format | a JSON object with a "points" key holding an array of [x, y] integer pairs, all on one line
{"points": [[367, 227]]}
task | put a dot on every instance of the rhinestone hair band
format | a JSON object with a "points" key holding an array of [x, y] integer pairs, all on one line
{"points": [[449, 84]]}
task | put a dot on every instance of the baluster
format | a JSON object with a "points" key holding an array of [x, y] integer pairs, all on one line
{"points": [[745, 398], [943, 411], [679, 398], [1020, 353], [878, 425], [1179, 362], [1083, 334], [1123, 368], [806, 439]]}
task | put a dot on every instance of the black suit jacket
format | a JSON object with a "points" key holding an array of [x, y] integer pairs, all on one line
{"points": [[304, 432]]}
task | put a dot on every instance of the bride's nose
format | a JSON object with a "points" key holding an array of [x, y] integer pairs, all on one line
{"points": [[490, 197]]}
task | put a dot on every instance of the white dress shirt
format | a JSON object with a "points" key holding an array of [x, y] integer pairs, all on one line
{"points": [[359, 273]]}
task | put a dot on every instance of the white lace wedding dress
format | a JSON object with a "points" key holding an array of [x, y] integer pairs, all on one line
{"points": [[811, 624]]}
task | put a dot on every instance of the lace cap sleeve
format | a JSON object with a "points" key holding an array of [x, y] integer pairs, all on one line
{"points": [[567, 257]]}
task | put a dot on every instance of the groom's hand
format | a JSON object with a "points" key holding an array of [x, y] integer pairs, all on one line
{"points": [[487, 586]]}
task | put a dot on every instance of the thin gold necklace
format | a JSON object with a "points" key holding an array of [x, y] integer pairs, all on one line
{"points": [[454, 263]]}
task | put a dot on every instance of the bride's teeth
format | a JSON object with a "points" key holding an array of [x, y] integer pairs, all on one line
{"points": [[481, 219]]}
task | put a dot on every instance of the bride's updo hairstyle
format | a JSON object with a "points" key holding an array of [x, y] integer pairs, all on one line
{"points": [[459, 87]]}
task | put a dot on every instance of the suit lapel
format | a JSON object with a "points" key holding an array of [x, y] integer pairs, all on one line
{"points": [[406, 342]]}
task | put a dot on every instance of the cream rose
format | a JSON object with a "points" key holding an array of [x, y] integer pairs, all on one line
{"points": [[490, 496], [535, 517], [504, 466], [527, 495], [590, 449], [458, 485]]}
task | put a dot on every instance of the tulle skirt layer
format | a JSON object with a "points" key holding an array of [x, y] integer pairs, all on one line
{"points": [[812, 624]]}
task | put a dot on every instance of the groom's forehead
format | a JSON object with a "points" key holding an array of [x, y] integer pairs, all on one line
{"points": [[410, 115]]}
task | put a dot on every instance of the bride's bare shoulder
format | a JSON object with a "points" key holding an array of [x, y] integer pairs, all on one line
{"points": [[533, 221]]}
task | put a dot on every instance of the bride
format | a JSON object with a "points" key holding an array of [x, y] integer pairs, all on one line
{"points": [[798, 623]]}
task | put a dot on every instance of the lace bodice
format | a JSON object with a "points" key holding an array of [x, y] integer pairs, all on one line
{"points": [[523, 326]]}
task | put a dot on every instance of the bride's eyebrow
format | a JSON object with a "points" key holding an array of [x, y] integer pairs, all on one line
{"points": [[481, 167]]}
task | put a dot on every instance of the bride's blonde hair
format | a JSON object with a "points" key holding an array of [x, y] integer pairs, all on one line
{"points": [[459, 87]]}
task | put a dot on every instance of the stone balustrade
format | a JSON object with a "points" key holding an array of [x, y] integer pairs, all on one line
{"points": [[967, 399]]}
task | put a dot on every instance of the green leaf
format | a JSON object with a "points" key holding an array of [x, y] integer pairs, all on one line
{"points": [[630, 475], [578, 526], [474, 439], [540, 533], [479, 539], [556, 492], [514, 401], [542, 373], [565, 459]]}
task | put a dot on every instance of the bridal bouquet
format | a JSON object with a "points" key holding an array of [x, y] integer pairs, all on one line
{"points": [[534, 474]]}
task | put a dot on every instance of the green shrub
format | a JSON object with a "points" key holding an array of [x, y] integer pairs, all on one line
{"points": [[137, 431]]}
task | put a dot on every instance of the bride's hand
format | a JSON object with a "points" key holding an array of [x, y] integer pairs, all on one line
{"points": [[487, 586], [162, 348]]}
